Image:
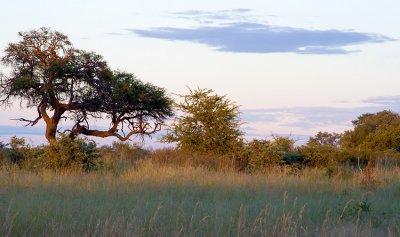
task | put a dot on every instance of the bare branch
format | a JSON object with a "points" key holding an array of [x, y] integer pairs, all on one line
{"points": [[35, 121], [29, 122], [144, 129]]}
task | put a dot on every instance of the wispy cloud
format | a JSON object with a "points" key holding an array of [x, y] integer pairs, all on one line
{"points": [[228, 15], [238, 31], [392, 101]]}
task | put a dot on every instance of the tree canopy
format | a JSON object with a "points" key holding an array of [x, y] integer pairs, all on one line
{"points": [[379, 131], [62, 82], [208, 123], [326, 138]]}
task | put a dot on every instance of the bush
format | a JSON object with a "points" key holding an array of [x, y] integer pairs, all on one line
{"points": [[264, 154], [316, 155], [324, 151], [67, 154], [17, 153]]}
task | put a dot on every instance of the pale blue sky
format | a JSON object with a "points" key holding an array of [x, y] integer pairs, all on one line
{"points": [[294, 66]]}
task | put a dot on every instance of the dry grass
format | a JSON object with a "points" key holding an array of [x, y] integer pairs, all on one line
{"points": [[163, 200]]}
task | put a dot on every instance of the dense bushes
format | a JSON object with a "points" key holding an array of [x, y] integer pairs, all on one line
{"points": [[265, 154], [254, 156], [61, 155], [18, 153]]}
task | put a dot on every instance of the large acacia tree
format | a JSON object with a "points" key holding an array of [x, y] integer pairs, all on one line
{"points": [[62, 82]]}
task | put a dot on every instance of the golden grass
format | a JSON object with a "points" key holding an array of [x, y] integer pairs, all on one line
{"points": [[160, 200]]}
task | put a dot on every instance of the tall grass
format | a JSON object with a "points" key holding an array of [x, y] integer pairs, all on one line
{"points": [[150, 199]]}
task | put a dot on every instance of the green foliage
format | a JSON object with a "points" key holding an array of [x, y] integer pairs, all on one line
{"points": [[383, 139], [67, 154], [374, 131], [374, 137], [264, 154], [16, 153], [326, 138], [209, 123], [316, 155], [322, 150]]}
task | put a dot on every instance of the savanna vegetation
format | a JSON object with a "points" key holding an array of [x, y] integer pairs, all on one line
{"points": [[211, 182]]}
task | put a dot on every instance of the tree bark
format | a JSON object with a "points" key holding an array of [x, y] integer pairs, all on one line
{"points": [[52, 124], [51, 130]]}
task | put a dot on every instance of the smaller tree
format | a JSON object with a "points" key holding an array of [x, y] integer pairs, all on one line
{"points": [[209, 123], [322, 150]]}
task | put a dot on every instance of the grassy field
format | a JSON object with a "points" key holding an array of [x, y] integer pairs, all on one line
{"points": [[156, 200]]}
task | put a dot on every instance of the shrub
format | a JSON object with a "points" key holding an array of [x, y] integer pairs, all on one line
{"points": [[67, 154], [323, 151], [316, 155], [264, 154], [17, 152]]}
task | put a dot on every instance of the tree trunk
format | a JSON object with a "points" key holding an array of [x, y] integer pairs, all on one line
{"points": [[51, 130]]}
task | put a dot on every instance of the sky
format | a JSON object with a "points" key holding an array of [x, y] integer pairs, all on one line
{"points": [[294, 66]]}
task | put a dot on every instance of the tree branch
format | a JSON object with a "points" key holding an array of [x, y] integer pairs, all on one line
{"points": [[144, 129], [33, 122]]}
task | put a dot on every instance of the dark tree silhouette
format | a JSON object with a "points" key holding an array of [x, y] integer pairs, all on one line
{"points": [[62, 82]]}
